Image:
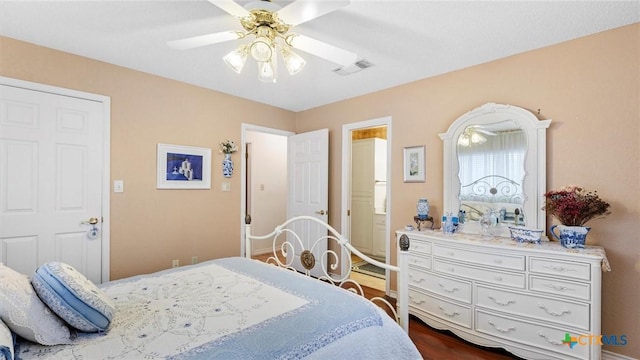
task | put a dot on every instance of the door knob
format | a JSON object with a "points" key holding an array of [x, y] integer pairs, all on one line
{"points": [[322, 212], [92, 221], [93, 232]]}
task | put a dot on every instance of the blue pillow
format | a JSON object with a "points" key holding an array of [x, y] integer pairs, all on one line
{"points": [[6, 342], [73, 297]]}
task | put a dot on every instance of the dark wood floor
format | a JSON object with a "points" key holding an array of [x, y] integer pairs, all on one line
{"points": [[435, 344]]}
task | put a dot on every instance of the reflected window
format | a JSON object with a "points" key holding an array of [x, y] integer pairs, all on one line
{"points": [[501, 154]]}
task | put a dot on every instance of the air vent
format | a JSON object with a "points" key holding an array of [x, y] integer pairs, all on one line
{"points": [[353, 68]]}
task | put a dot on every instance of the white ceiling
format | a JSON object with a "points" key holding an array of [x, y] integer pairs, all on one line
{"points": [[406, 40]]}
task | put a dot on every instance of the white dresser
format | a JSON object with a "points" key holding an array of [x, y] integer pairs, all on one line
{"points": [[495, 292]]}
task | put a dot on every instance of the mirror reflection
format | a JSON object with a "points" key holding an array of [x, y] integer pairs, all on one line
{"points": [[491, 159]]}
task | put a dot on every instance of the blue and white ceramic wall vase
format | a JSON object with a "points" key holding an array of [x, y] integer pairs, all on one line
{"points": [[227, 166]]}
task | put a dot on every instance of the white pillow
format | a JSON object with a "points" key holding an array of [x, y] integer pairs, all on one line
{"points": [[6, 342], [73, 297], [25, 314]]}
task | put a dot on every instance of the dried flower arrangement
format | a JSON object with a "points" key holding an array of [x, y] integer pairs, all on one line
{"points": [[228, 147], [574, 206]]}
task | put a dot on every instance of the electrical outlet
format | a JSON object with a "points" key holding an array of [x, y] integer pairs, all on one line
{"points": [[194, 260], [175, 263]]}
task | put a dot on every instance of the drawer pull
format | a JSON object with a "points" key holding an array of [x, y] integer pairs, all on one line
{"points": [[552, 313], [552, 342], [420, 302], [416, 280], [449, 290], [501, 303], [450, 253], [450, 313], [502, 330], [497, 261], [450, 268], [558, 268], [559, 287], [498, 278]]}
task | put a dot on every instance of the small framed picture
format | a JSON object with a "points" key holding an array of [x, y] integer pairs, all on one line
{"points": [[183, 167], [414, 164]]}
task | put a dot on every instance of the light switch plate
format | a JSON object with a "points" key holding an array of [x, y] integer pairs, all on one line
{"points": [[118, 186], [226, 186]]}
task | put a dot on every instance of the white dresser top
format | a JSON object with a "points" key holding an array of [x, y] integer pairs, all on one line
{"points": [[505, 242]]}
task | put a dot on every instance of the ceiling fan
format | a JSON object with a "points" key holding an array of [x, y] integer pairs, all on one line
{"points": [[270, 24], [473, 134]]}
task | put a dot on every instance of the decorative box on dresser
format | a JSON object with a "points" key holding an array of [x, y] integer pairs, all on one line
{"points": [[495, 292]]}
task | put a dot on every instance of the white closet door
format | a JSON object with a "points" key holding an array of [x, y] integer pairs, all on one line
{"points": [[50, 180]]}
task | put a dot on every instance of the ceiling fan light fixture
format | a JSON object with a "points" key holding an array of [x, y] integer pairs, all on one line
{"points": [[268, 70], [464, 140], [261, 49], [237, 58], [292, 61], [477, 138]]}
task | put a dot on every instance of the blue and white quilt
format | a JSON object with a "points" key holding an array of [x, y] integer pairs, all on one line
{"points": [[234, 308]]}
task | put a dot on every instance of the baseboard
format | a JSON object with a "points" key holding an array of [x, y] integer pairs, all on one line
{"points": [[608, 355]]}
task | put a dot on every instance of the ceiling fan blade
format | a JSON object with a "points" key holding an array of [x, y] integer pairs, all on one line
{"points": [[486, 132], [304, 10], [231, 7], [322, 49], [203, 40]]}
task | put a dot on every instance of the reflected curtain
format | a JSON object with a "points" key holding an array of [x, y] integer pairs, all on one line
{"points": [[502, 154]]}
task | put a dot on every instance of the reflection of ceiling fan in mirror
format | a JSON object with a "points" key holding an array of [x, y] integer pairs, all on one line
{"points": [[474, 134], [269, 25]]}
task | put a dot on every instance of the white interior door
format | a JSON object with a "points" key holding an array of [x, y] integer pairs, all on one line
{"points": [[308, 169], [50, 180]]}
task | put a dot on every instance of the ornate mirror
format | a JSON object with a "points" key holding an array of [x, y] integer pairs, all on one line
{"points": [[495, 164]]}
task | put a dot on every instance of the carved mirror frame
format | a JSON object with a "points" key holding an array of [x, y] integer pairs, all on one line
{"points": [[534, 183]]}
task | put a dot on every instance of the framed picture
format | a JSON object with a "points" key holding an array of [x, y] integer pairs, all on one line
{"points": [[414, 164], [183, 167]]}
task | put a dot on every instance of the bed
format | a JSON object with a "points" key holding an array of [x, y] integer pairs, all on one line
{"points": [[231, 308]]}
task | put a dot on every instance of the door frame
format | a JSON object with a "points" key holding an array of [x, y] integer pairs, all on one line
{"points": [[244, 127], [346, 186], [106, 154]]}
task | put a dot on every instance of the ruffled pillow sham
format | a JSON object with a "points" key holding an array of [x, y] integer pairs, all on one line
{"points": [[73, 297], [25, 314], [6, 342]]}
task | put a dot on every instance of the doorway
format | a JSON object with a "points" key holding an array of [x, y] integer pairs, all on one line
{"points": [[264, 181], [303, 178], [366, 194]]}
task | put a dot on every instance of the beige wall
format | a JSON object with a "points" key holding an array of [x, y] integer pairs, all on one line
{"points": [[590, 87], [150, 227]]}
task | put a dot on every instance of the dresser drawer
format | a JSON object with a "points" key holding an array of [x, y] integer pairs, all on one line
{"points": [[500, 261], [538, 335], [419, 261], [443, 309], [534, 306], [572, 289], [447, 287], [564, 269], [419, 247], [516, 280]]}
